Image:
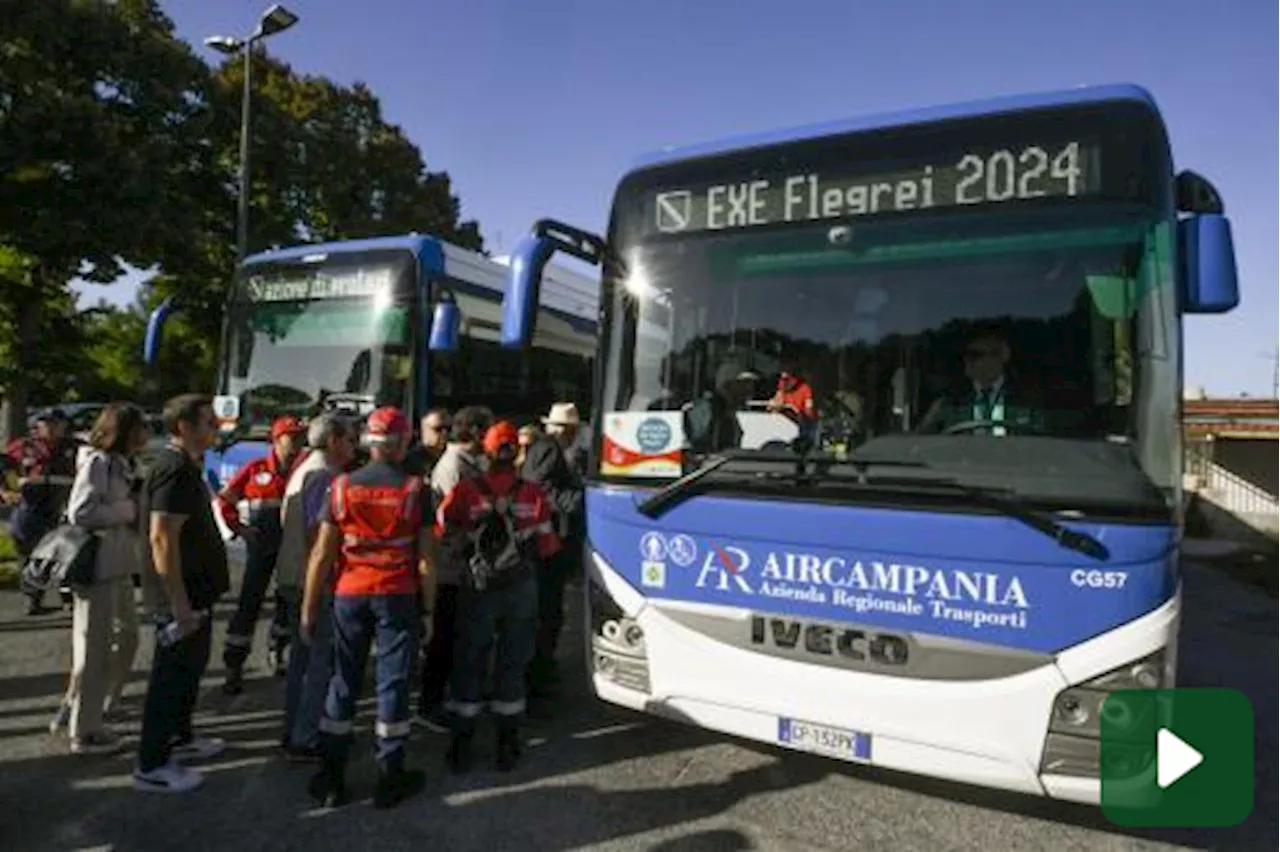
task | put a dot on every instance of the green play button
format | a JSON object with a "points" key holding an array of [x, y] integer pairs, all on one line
{"points": [[1177, 757]]}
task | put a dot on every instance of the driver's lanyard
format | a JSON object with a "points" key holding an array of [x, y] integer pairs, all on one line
{"points": [[990, 406]]}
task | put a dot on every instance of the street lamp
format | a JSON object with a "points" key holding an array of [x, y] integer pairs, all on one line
{"points": [[275, 20]]}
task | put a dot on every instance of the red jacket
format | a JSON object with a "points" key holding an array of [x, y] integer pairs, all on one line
{"points": [[800, 397], [380, 526], [255, 493], [35, 459], [531, 510]]}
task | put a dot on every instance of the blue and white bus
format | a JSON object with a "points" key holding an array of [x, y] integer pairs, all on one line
{"points": [[952, 601], [408, 321]]}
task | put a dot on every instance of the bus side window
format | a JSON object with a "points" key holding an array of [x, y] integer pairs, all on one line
{"points": [[445, 366], [495, 377]]}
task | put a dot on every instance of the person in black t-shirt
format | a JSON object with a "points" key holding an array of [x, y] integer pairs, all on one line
{"points": [[190, 561]]}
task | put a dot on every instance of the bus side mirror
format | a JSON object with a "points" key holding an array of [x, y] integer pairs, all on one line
{"points": [[524, 284], [524, 289], [446, 320], [1207, 265], [155, 329]]}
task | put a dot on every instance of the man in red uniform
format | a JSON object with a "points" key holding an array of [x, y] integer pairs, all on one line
{"points": [[250, 505], [793, 399], [376, 528], [499, 528]]}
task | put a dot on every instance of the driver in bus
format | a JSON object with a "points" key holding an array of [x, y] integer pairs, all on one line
{"points": [[990, 400], [793, 399]]}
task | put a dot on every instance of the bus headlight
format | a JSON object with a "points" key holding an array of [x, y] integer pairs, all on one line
{"points": [[1070, 711], [1073, 742], [617, 652]]}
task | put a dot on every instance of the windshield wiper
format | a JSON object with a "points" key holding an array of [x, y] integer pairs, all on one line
{"points": [[1007, 503], [667, 496], [340, 401]]}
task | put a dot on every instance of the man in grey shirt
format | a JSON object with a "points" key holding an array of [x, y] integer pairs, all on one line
{"points": [[333, 443], [460, 460]]}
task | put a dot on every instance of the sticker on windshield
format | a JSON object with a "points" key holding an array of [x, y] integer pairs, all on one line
{"points": [[643, 443], [226, 411]]}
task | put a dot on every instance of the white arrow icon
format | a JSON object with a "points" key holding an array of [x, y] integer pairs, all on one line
{"points": [[1174, 758]]}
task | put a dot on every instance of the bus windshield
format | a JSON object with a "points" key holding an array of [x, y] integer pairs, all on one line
{"points": [[302, 334], [1066, 321]]}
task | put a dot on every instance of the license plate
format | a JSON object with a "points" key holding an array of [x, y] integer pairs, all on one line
{"points": [[824, 739]]}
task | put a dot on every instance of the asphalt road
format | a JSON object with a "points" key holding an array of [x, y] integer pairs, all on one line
{"points": [[593, 778]]}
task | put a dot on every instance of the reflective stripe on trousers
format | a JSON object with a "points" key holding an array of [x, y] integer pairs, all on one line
{"points": [[259, 566], [505, 618], [472, 709], [391, 622]]}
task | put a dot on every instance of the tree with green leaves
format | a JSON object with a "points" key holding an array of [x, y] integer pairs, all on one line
{"points": [[101, 137], [327, 166], [119, 145]]}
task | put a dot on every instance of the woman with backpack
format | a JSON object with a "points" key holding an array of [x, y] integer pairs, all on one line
{"points": [[104, 621]]}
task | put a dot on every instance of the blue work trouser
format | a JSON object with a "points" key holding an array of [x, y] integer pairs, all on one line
{"points": [[260, 564], [506, 617], [310, 670], [393, 621]]}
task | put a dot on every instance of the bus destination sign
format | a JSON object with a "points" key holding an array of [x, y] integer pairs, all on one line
{"points": [[1069, 170], [322, 284]]}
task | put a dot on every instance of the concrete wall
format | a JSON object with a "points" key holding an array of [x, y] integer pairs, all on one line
{"points": [[1253, 460]]}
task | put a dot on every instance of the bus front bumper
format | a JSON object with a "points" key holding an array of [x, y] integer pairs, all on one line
{"points": [[1011, 733]]}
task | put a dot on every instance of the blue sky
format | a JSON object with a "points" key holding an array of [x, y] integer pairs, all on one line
{"points": [[536, 107]]}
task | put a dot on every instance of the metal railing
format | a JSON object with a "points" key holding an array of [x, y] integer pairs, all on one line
{"points": [[1231, 492]]}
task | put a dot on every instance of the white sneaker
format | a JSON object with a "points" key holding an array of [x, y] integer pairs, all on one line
{"points": [[173, 777], [200, 748]]}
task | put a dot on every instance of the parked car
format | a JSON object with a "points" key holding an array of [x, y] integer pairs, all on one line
{"points": [[81, 417]]}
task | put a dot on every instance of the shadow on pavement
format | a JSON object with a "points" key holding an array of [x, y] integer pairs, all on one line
{"points": [[715, 840], [555, 799], [36, 623], [251, 800]]}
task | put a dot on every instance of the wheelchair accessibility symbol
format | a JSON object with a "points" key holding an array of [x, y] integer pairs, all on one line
{"points": [[682, 549]]}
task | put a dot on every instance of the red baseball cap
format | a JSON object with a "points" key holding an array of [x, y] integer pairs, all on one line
{"points": [[384, 424], [286, 425], [501, 434]]}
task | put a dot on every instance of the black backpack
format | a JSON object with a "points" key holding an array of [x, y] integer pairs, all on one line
{"points": [[496, 554]]}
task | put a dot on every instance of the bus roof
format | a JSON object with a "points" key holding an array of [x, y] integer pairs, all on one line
{"points": [[565, 292], [576, 297], [409, 242], [903, 118]]}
